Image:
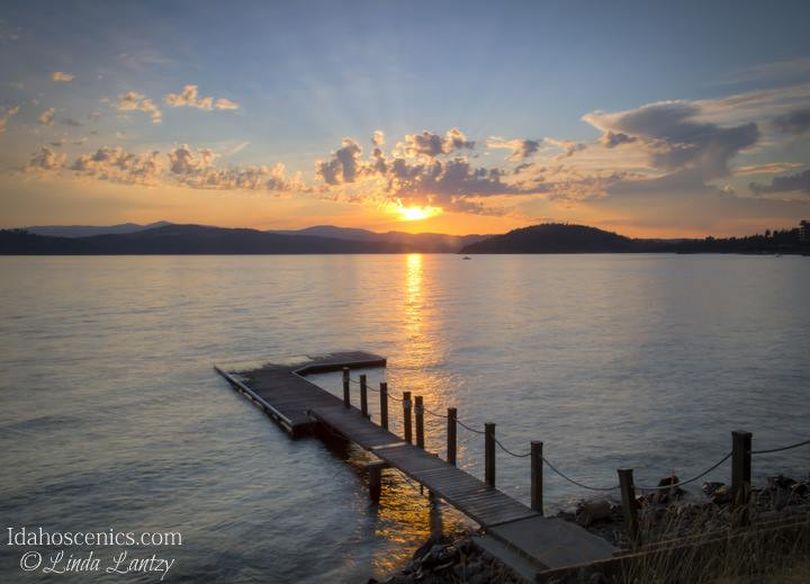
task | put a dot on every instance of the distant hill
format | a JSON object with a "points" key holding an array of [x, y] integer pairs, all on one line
{"points": [[89, 230], [421, 242], [168, 238], [186, 239], [556, 238]]}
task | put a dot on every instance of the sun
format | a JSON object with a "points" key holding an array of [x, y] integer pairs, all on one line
{"points": [[416, 213]]}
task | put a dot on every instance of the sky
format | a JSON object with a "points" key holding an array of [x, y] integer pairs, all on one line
{"points": [[653, 119]]}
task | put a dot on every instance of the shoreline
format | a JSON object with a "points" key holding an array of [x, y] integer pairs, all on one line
{"points": [[667, 517]]}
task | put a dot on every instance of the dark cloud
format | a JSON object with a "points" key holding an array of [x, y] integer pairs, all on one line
{"points": [[343, 166], [432, 145], [674, 140], [789, 183], [795, 122]]}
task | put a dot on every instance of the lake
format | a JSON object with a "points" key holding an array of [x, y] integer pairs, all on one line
{"points": [[112, 417]]}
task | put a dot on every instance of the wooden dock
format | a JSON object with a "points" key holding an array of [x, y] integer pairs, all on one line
{"points": [[298, 406]]}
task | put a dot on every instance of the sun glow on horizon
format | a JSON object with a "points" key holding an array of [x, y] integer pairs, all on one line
{"points": [[415, 212]]}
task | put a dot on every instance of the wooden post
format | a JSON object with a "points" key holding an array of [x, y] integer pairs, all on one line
{"points": [[629, 504], [384, 404], [741, 475], [406, 411], [375, 480], [537, 477], [451, 435], [346, 390], [364, 395], [420, 422], [489, 453]]}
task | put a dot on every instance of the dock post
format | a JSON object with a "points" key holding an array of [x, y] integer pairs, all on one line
{"points": [[537, 477], [741, 475], [375, 480], [451, 435], [364, 395], [346, 390], [384, 404], [420, 422], [406, 412], [489, 453], [629, 504]]}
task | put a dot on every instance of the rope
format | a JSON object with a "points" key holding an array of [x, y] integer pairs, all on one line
{"points": [[509, 452], [577, 483], [463, 425], [686, 482], [783, 448]]}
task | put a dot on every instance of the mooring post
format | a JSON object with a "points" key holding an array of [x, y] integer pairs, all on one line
{"points": [[537, 477], [420, 422], [406, 412], [364, 395], [375, 480], [629, 504], [346, 391], [489, 453], [384, 404], [741, 475], [451, 435]]}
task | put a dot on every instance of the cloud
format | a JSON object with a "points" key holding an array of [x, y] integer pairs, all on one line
{"points": [[133, 101], [612, 139], [431, 145], [777, 70], [343, 166], [769, 168], [118, 165], [223, 103], [521, 148], [70, 122], [196, 170], [789, 183], [58, 143], [378, 138], [6, 113], [62, 77], [45, 159], [182, 165], [189, 97], [795, 122], [46, 117], [674, 140], [568, 147]]}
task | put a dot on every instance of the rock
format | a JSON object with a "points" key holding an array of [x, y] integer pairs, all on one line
{"points": [[674, 492], [439, 555], [589, 512], [710, 488]]}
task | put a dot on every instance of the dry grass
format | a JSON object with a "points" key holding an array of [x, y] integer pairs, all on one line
{"points": [[706, 550]]}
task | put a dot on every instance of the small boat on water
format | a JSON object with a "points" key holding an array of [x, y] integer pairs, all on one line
{"points": [[466, 258]]}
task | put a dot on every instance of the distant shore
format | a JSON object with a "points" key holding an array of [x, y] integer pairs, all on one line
{"points": [[552, 238]]}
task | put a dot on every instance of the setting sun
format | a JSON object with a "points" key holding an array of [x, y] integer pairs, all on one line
{"points": [[417, 213]]}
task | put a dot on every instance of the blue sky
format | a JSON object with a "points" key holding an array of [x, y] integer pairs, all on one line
{"points": [[302, 77]]}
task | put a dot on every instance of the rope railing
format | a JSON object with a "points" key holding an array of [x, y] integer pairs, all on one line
{"points": [[573, 481], [686, 482], [782, 449]]}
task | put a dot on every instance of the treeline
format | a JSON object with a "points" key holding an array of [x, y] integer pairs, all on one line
{"points": [[776, 241]]}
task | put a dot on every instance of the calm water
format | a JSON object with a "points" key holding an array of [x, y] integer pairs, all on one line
{"points": [[110, 414]]}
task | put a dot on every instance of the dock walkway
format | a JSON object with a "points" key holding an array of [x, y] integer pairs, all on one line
{"points": [[298, 405]]}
